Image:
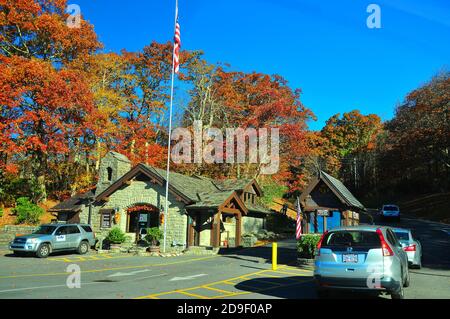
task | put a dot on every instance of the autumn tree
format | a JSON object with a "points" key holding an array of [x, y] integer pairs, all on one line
{"points": [[415, 153], [231, 99], [351, 140], [43, 102]]}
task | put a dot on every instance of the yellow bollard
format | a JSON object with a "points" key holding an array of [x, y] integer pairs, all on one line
{"points": [[274, 256]]}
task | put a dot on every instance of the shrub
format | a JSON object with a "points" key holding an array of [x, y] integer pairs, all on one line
{"points": [[154, 235], [27, 212], [12, 188], [307, 244], [116, 236]]}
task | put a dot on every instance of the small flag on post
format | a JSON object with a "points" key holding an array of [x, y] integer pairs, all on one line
{"points": [[177, 44], [298, 229]]}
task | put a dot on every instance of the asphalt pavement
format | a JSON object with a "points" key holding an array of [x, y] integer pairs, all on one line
{"points": [[236, 274]]}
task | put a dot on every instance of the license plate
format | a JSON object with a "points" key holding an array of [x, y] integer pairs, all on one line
{"points": [[350, 258]]}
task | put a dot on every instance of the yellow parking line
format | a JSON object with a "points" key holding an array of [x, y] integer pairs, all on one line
{"points": [[286, 272], [218, 290], [191, 294], [231, 281], [111, 269], [263, 274]]}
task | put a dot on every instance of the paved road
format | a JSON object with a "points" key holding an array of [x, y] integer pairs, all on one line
{"points": [[108, 276], [433, 279], [239, 274]]}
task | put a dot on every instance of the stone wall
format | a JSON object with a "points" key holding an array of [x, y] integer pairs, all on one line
{"points": [[19, 229], [230, 230], [252, 225], [140, 192]]}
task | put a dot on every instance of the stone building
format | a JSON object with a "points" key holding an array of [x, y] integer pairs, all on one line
{"points": [[202, 211]]}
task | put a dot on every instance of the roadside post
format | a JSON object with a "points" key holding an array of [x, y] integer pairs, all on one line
{"points": [[274, 256]]}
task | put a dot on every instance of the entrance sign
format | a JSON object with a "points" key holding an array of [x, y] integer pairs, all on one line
{"points": [[323, 213], [143, 218]]}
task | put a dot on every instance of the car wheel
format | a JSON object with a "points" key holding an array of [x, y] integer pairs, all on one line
{"points": [[407, 280], [399, 294], [419, 265], [43, 251], [83, 248]]}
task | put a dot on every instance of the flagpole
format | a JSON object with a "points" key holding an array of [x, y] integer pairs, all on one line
{"points": [[166, 208]]}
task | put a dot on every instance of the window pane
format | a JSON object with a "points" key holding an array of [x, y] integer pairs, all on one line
{"points": [[87, 229]]}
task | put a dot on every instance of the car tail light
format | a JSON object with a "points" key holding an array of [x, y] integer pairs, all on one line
{"points": [[319, 244], [410, 248], [387, 251]]}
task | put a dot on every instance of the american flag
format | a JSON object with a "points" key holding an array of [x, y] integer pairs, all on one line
{"points": [[298, 229], [177, 44]]}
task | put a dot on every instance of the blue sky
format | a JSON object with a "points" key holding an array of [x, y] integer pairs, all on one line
{"points": [[322, 47]]}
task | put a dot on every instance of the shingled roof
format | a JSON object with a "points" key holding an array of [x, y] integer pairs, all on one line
{"points": [[345, 197], [73, 204], [191, 186], [196, 191]]}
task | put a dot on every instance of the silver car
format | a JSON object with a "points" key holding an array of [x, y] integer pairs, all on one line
{"points": [[411, 246], [54, 237], [363, 258]]}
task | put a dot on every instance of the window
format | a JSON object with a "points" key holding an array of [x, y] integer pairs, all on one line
{"points": [[352, 238], [391, 238], [72, 230], [45, 230], [87, 229], [105, 218], [61, 231], [402, 235], [109, 171], [249, 197]]}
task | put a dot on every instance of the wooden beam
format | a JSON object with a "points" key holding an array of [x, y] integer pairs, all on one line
{"points": [[238, 230], [215, 238], [230, 210]]}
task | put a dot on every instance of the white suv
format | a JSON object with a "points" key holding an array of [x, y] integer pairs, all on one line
{"points": [[390, 211]]}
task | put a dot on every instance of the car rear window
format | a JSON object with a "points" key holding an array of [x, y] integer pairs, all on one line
{"points": [[86, 228], [351, 238], [402, 235], [390, 208]]}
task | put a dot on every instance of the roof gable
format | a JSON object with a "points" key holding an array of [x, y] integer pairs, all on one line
{"points": [[341, 192], [149, 172]]}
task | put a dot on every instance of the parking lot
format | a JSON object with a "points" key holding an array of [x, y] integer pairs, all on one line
{"points": [[245, 273]]}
